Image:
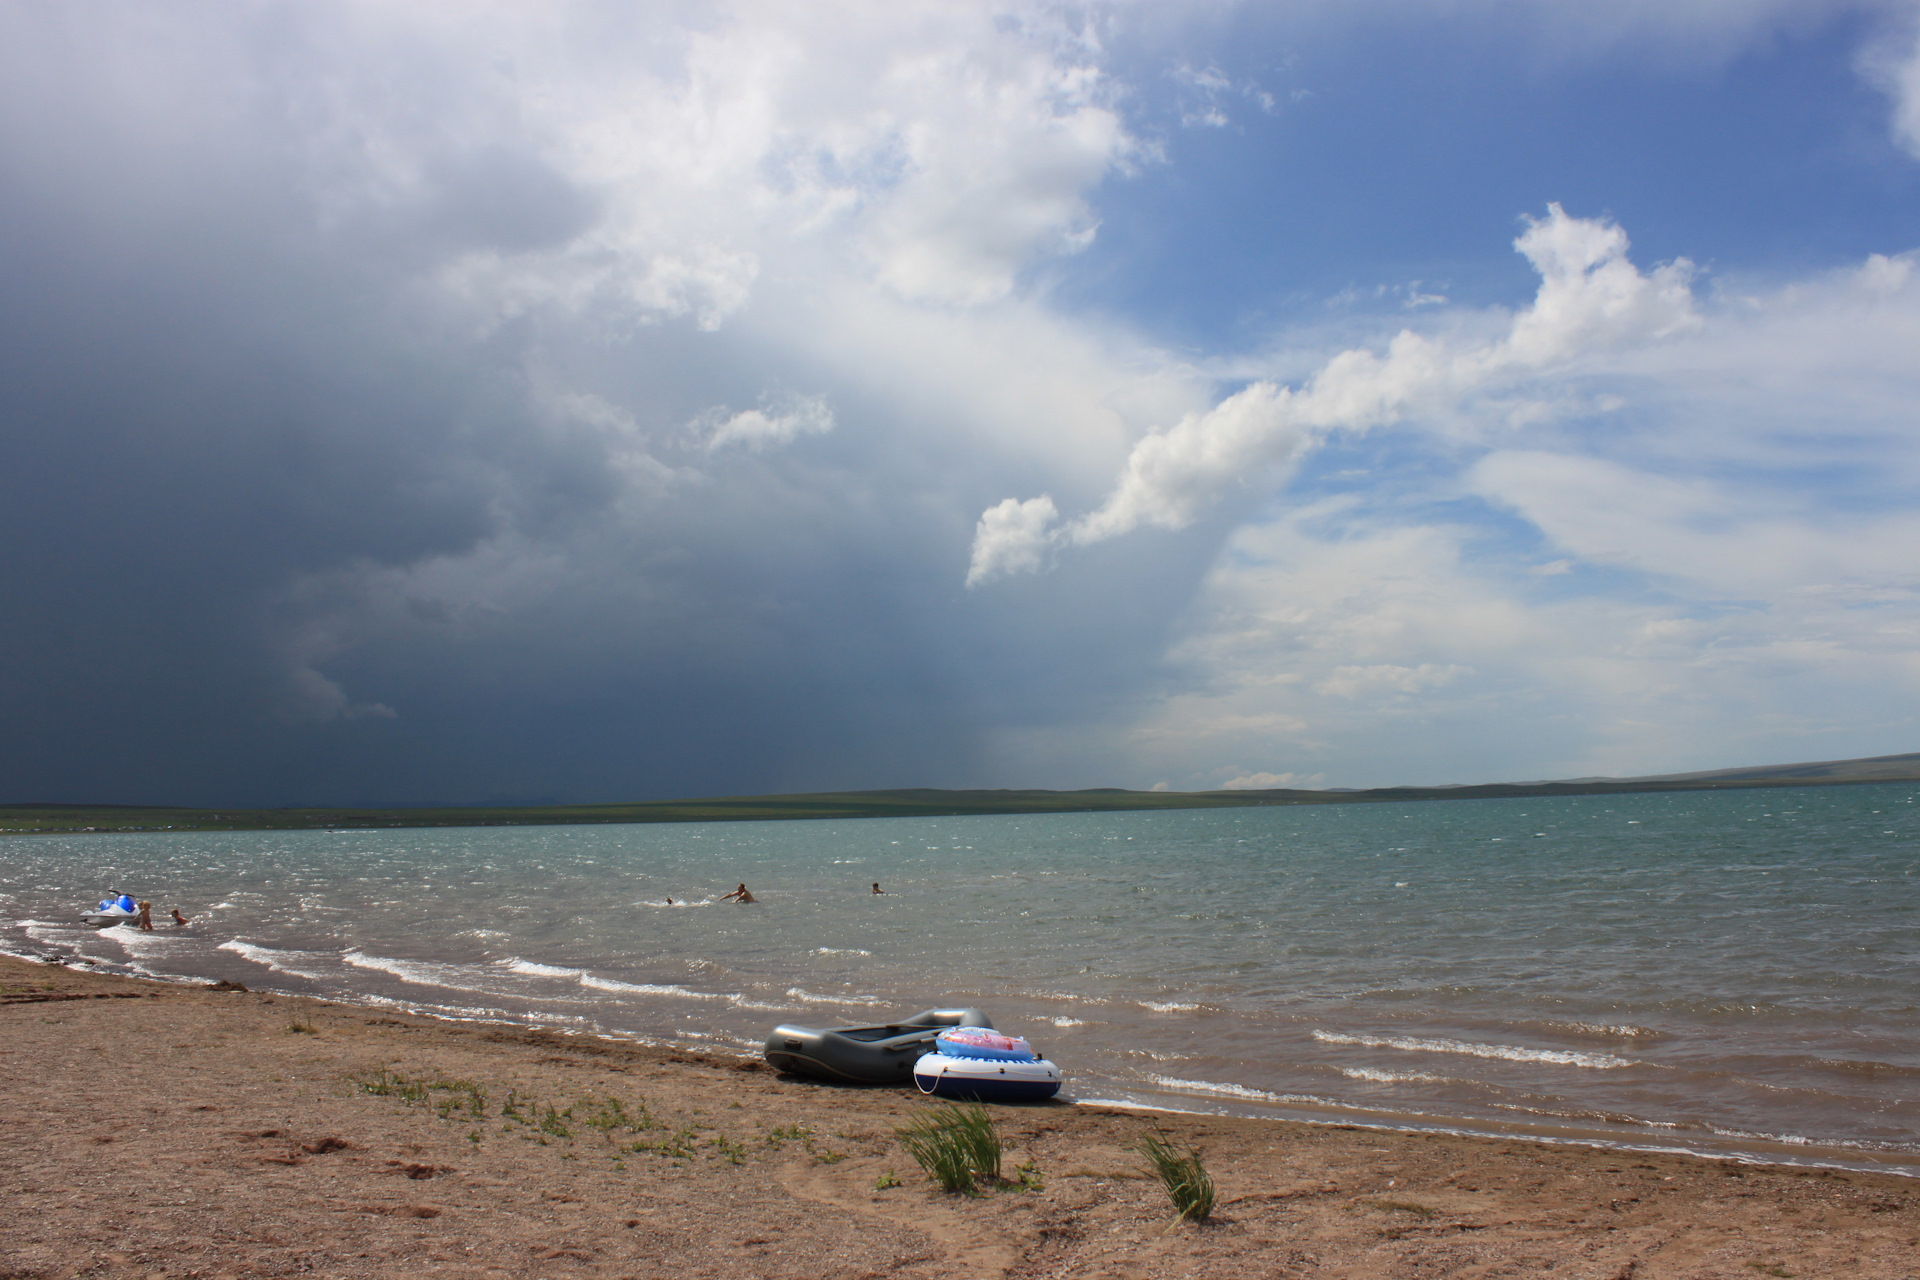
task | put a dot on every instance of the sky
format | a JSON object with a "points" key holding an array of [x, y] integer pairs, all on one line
{"points": [[593, 402]]}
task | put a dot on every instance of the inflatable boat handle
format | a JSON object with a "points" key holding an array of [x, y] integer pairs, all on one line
{"points": [[947, 1018]]}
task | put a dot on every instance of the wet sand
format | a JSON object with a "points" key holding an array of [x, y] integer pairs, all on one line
{"points": [[153, 1129]]}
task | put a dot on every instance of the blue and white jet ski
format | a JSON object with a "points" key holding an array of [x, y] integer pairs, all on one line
{"points": [[112, 911]]}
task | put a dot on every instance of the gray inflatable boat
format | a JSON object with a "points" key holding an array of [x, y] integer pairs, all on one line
{"points": [[865, 1055]]}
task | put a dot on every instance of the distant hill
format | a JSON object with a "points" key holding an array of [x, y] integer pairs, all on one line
{"points": [[917, 802]]}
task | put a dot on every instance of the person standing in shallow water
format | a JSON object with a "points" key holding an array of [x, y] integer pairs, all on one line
{"points": [[741, 894], [146, 916]]}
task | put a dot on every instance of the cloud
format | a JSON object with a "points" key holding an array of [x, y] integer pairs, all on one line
{"points": [[596, 401], [1011, 538], [349, 356], [1272, 781], [1356, 682], [796, 416], [1718, 565], [1591, 299], [1204, 90], [1893, 63]]}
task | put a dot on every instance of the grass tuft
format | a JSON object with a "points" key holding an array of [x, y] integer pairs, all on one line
{"points": [[956, 1145], [1187, 1181]]}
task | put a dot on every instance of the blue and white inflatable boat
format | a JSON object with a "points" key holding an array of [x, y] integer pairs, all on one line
{"points": [[979, 1064]]}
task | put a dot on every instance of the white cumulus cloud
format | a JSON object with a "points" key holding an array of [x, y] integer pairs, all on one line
{"points": [[771, 425], [1592, 299]]}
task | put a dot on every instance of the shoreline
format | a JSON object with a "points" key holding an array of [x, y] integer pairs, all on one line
{"points": [[920, 802], [163, 1128], [1751, 1149]]}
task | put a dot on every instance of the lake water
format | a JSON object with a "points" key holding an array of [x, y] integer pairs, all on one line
{"points": [[1723, 972]]}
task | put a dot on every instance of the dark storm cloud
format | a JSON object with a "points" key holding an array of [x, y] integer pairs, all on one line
{"points": [[285, 519]]}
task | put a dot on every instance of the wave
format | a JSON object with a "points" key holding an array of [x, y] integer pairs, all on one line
{"points": [[1067, 1022], [840, 951], [648, 988], [516, 965], [143, 943], [1232, 1090], [1171, 1006], [419, 972], [1504, 1052], [453, 1012], [1611, 1031], [594, 982], [809, 997], [1392, 1077], [48, 931], [1796, 1140], [279, 961]]}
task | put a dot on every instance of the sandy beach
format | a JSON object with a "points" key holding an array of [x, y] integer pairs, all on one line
{"points": [[157, 1129]]}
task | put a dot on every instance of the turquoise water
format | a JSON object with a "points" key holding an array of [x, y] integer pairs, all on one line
{"points": [[1715, 971]]}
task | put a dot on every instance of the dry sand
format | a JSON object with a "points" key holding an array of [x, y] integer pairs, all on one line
{"points": [[159, 1130]]}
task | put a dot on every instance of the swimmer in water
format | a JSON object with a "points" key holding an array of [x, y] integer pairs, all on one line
{"points": [[877, 888], [670, 902], [178, 919], [740, 894]]}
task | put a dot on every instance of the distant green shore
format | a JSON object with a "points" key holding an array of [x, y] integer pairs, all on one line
{"points": [[18, 819]]}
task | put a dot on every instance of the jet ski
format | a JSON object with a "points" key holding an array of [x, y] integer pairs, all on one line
{"points": [[112, 911], [865, 1055]]}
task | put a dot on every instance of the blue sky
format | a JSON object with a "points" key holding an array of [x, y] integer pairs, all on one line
{"points": [[599, 401], [1415, 143]]}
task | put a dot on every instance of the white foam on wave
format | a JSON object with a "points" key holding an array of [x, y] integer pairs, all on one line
{"points": [[648, 988], [1067, 1022], [594, 982], [840, 951], [143, 942], [516, 965], [1158, 1056], [1504, 1052], [50, 932], [288, 962], [1391, 1077], [1616, 1030], [455, 1012], [1170, 1006], [1785, 1139], [809, 997], [1229, 1090], [420, 973]]}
